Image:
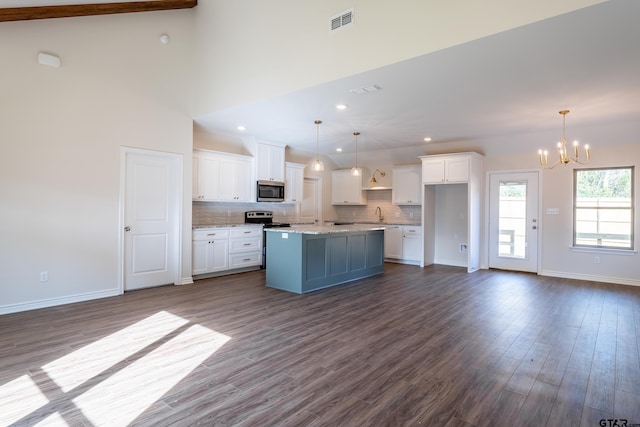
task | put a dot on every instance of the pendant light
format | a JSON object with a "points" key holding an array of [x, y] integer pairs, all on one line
{"points": [[317, 165], [356, 171]]}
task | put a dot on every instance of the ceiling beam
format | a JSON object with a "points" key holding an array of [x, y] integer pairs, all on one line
{"points": [[66, 11]]}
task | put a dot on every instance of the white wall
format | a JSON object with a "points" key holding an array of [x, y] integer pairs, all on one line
{"points": [[556, 230], [452, 224], [61, 131]]}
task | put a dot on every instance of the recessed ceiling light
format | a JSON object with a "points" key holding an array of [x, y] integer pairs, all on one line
{"points": [[427, 139], [341, 106], [241, 128], [339, 150]]}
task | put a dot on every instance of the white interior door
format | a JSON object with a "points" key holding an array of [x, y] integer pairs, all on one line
{"points": [[152, 189], [514, 221], [311, 206]]}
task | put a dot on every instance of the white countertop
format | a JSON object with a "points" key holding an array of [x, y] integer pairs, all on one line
{"points": [[326, 229], [243, 224]]}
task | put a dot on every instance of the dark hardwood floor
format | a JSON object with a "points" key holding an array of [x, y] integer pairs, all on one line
{"points": [[412, 347]]}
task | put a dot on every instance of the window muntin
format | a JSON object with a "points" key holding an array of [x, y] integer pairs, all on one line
{"points": [[603, 208]]}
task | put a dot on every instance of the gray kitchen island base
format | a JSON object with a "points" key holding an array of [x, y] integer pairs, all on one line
{"points": [[303, 261]]}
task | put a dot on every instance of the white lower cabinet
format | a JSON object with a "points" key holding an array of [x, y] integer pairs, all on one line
{"points": [[245, 247], [393, 241], [221, 249], [402, 243], [411, 243], [210, 250]]}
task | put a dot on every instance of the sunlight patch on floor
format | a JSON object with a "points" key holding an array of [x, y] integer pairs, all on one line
{"points": [[19, 398], [121, 398], [76, 368], [125, 393]]}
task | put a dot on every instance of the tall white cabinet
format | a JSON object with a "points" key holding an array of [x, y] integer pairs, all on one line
{"points": [[451, 195], [294, 182]]}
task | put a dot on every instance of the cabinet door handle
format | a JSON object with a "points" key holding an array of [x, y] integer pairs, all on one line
{"points": [[211, 234], [247, 244], [247, 232]]}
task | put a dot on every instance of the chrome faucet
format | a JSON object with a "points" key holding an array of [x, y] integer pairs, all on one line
{"points": [[379, 213]]}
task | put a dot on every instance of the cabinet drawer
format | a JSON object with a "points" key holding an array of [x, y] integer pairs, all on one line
{"points": [[245, 232], [245, 259], [210, 233], [245, 245], [412, 231]]}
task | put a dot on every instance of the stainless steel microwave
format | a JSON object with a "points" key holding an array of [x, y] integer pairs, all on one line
{"points": [[270, 191]]}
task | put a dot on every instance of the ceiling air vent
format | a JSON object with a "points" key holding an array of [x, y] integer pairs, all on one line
{"points": [[341, 20]]}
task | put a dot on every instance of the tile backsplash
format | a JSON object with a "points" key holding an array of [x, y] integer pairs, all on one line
{"points": [[218, 213], [393, 214]]}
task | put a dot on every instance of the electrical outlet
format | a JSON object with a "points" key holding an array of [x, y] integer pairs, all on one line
{"points": [[397, 214], [410, 214], [596, 260], [44, 276], [228, 214], [463, 247]]}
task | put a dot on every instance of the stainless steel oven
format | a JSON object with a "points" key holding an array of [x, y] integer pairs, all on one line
{"points": [[266, 219]]}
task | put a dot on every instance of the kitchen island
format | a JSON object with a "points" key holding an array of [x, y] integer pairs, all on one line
{"points": [[306, 258]]}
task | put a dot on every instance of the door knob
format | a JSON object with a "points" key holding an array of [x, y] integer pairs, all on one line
{"points": [[127, 228]]}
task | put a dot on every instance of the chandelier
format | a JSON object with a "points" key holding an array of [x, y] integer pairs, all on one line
{"points": [[317, 165], [563, 155]]}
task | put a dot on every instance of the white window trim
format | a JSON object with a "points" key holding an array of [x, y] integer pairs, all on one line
{"points": [[603, 250]]}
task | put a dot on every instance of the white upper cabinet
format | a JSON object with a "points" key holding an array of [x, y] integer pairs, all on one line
{"points": [[448, 169], [294, 182], [222, 177], [347, 189], [206, 176], [235, 179], [406, 185], [270, 162]]}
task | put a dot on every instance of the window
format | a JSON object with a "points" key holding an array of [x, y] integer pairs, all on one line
{"points": [[603, 208]]}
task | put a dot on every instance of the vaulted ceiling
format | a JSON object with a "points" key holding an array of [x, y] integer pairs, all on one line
{"points": [[495, 95]]}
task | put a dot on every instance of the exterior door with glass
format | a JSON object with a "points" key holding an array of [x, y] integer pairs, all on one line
{"points": [[514, 221]]}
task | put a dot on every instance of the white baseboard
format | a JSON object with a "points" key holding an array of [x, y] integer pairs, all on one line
{"points": [[402, 261], [52, 302], [186, 281], [592, 278]]}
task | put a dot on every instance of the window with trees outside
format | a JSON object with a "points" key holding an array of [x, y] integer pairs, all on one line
{"points": [[603, 208]]}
